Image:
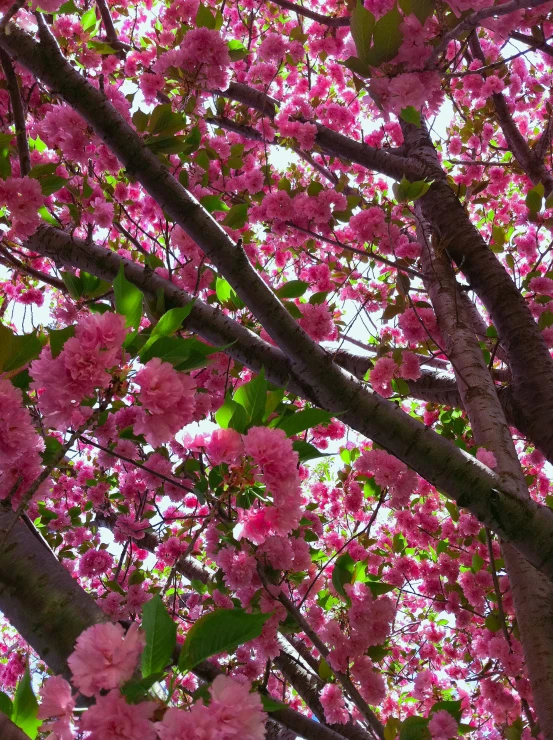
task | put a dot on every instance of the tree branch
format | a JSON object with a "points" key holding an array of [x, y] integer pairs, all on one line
{"points": [[325, 20], [18, 113], [475, 19]]}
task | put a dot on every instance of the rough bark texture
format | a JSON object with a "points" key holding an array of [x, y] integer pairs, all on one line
{"points": [[533, 594], [517, 330], [39, 597]]}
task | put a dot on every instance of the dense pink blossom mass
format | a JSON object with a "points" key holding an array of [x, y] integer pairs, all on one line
{"points": [[276, 371]]}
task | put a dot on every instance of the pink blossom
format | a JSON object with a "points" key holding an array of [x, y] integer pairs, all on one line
{"points": [[238, 712], [334, 705], [57, 704], [442, 725], [381, 376], [273, 46], [95, 562], [371, 682], [203, 55], [487, 457], [418, 325], [105, 657], [168, 396], [368, 224], [23, 197], [111, 718], [317, 321], [19, 443], [225, 446], [542, 285], [409, 368], [234, 713]]}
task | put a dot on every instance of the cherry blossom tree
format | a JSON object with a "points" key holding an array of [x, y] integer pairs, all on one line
{"points": [[276, 385]]}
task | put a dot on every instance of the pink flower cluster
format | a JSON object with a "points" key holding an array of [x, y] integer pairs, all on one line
{"points": [[389, 472], [233, 714], [168, 401], [19, 443], [63, 382], [277, 465], [385, 368], [23, 197], [105, 657], [203, 55]]}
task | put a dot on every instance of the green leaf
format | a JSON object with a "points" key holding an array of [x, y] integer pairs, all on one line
{"points": [[58, 337], [414, 728], [192, 141], [164, 121], [534, 198], [6, 705], [302, 420], [73, 284], [17, 350], [307, 451], [292, 289], [227, 295], [52, 448], [205, 18], [161, 636], [25, 707], [378, 588], [172, 320], [343, 573], [232, 415], [361, 27], [237, 50], [213, 203], [451, 706], [88, 19], [237, 217], [140, 120], [252, 397], [220, 631], [137, 691], [51, 184], [270, 704], [391, 729], [101, 47], [93, 287], [411, 115], [128, 299], [387, 38], [422, 9]]}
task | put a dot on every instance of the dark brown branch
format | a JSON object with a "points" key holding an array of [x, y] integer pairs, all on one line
{"points": [[42, 276], [475, 19], [325, 20], [381, 160], [18, 113], [9, 731], [531, 41]]}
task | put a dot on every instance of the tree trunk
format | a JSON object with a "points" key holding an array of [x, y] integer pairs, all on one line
{"points": [[532, 593]]}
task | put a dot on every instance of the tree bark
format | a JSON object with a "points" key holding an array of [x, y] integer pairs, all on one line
{"points": [[532, 593], [39, 597], [518, 332]]}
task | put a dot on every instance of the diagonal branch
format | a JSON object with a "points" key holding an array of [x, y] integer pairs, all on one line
{"points": [[18, 113], [324, 20], [381, 160]]}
